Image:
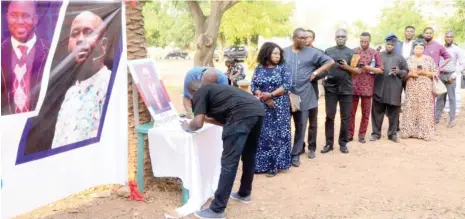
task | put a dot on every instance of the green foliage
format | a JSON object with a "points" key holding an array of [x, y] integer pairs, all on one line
{"points": [[168, 23], [393, 19], [251, 60], [456, 22], [250, 18]]}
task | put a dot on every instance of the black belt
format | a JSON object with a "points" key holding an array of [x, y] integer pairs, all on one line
{"points": [[444, 72]]}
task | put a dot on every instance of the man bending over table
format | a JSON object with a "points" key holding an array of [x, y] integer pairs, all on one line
{"points": [[207, 75], [241, 116]]}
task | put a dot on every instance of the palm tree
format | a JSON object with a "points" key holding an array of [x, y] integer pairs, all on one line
{"points": [[136, 49]]}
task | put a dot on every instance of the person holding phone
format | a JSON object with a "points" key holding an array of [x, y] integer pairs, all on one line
{"points": [[417, 116], [388, 91], [338, 89], [370, 64]]}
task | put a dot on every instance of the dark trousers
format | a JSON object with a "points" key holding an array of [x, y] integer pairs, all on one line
{"points": [[377, 116], [345, 104], [366, 108], [240, 138], [300, 123]]}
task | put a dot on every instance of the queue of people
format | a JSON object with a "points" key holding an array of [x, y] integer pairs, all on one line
{"points": [[285, 86]]}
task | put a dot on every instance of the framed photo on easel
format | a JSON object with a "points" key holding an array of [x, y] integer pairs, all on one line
{"points": [[153, 92]]}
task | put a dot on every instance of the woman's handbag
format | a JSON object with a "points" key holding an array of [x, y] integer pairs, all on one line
{"points": [[295, 102], [438, 87]]}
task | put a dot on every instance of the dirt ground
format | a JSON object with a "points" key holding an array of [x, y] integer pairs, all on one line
{"points": [[411, 179]]}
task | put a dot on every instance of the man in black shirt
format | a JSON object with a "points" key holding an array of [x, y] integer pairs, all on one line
{"points": [[338, 88], [241, 116]]}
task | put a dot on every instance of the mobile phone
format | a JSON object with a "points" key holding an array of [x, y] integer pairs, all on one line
{"points": [[361, 65], [340, 61], [393, 68]]}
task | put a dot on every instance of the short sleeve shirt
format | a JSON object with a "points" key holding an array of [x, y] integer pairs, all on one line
{"points": [[339, 80], [196, 74], [226, 103], [302, 64]]}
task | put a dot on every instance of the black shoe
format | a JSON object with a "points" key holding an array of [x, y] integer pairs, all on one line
{"points": [[311, 154], [344, 149], [351, 138], [394, 138], [362, 140], [295, 161], [327, 149], [272, 173], [373, 138]]}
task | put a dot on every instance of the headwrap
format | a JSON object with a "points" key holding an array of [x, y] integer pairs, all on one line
{"points": [[419, 42], [391, 38]]}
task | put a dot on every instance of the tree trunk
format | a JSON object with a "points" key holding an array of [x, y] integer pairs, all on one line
{"points": [[249, 41], [222, 44], [206, 29], [136, 49]]}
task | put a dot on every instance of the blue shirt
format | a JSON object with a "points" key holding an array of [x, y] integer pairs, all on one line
{"points": [[302, 65], [196, 74]]}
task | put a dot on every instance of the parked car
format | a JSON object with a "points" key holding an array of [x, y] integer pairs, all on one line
{"points": [[177, 55], [236, 52]]}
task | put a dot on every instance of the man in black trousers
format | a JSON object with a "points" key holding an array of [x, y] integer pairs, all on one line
{"points": [[241, 115], [388, 91], [338, 88]]}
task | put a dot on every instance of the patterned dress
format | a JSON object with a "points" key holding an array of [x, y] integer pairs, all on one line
{"points": [[418, 111], [275, 140]]}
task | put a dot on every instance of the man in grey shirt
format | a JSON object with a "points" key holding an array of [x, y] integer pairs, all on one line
{"points": [[307, 65], [448, 75]]}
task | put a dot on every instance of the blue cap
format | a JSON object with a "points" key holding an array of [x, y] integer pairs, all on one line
{"points": [[391, 37]]}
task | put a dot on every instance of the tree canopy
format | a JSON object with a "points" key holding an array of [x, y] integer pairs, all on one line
{"points": [[170, 22], [250, 18], [456, 22], [394, 18]]}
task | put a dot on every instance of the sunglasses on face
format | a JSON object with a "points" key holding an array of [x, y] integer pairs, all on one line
{"points": [[341, 37]]}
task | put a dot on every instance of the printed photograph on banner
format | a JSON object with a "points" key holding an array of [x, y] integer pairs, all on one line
{"points": [[152, 90], [27, 31], [81, 78]]}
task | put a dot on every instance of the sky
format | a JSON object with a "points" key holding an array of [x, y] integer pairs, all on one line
{"points": [[323, 16]]}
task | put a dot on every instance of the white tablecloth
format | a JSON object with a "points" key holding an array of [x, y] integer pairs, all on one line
{"points": [[195, 158]]}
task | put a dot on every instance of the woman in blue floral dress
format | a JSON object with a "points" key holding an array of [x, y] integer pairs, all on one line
{"points": [[271, 82]]}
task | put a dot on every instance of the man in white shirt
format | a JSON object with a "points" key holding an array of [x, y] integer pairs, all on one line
{"points": [[448, 77], [407, 45], [23, 59], [81, 111]]}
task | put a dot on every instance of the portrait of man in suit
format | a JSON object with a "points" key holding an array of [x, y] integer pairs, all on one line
{"points": [[156, 95], [24, 55]]}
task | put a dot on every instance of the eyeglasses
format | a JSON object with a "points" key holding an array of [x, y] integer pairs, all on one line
{"points": [[15, 16], [341, 37]]}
